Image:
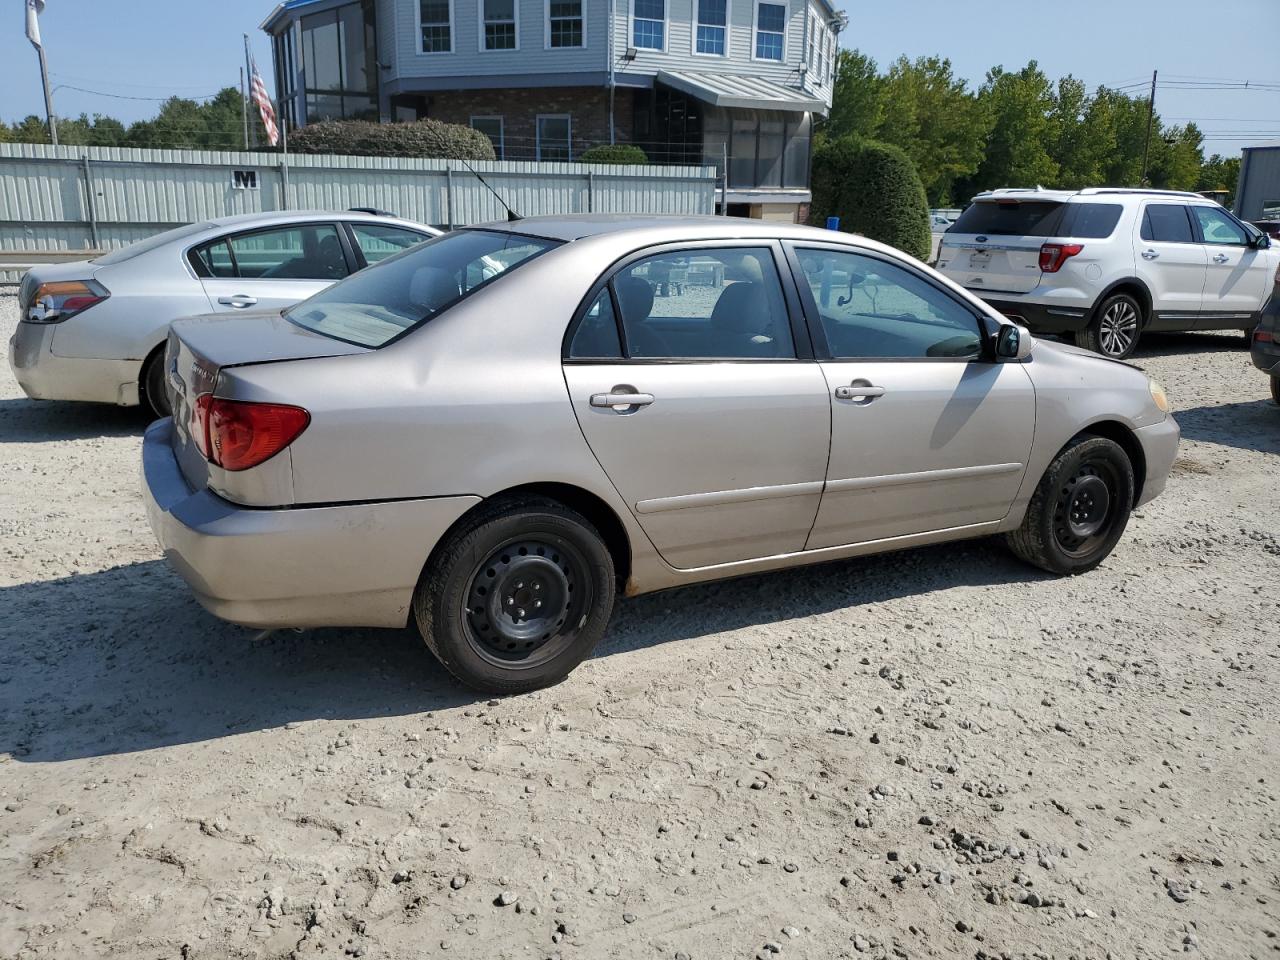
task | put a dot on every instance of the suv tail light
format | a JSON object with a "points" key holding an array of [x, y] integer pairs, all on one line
{"points": [[55, 302], [238, 434], [1054, 255]]}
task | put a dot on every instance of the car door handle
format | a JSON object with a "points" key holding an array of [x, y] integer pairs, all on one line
{"points": [[1150, 255], [240, 301], [621, 399], [1221, 258], [856, 392]]}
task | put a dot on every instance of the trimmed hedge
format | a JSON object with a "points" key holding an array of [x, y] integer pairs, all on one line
{"points": [[874, 189], [426, 139], [614, 153]]}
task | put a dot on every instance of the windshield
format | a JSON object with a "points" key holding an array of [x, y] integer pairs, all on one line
{"points": [[378, 304], [149, 244]]}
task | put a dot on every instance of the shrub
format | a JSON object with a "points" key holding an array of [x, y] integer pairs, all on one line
{"points": [[614, 153], [874, 189], [428, 139]]}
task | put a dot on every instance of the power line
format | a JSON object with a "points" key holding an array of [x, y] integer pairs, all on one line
{"points": [[122, 96]]}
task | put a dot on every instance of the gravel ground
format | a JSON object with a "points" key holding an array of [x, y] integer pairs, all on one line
{"points": [[935, 753]]}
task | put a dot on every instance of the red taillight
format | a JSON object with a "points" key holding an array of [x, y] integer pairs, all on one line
{"points": [[1263, 336], [237, 434], [1054, 255]]}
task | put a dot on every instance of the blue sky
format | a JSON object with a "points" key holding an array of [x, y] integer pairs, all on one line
{"points": [[153, 48]]}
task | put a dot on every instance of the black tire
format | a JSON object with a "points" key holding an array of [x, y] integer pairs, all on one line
{"points": [[474, 604], [151, 386], [1275, 389], [1114, 328], [1080, 508]]}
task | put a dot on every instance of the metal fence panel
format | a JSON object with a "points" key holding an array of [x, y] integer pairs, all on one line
{"points": [[85, 198]]}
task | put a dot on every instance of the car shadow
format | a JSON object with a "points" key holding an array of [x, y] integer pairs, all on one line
{"points": [[1182, 344], [125, 660], [1248, 425], [42, 421]]}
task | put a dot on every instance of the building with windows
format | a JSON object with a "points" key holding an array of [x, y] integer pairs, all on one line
{"points": [[734, 83]]}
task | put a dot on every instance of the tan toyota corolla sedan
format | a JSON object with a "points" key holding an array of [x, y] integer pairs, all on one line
{"points": [[496, 433]]}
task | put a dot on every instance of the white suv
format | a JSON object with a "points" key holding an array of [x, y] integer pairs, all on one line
{"points": [[1106, 264]]}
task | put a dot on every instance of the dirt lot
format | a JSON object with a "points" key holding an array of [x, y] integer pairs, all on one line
{"points": [[937, 753]]}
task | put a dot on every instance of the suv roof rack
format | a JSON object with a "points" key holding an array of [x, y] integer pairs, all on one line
{"points": [[1098, 191]]}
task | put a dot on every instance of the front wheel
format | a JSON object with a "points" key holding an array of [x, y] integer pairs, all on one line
{"points": [[517, 597], [1080, 508], [1114, 329]]}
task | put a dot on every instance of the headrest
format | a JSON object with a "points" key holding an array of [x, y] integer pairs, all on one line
{"points": [[431, 288]]}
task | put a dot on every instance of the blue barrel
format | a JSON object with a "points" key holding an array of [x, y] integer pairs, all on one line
{"points": [[833, 223]]}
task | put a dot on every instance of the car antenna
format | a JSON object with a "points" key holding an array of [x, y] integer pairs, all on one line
{"points": [[512, 216]]}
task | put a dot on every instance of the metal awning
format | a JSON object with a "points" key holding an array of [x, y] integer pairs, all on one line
{"points": [[743, 92]]}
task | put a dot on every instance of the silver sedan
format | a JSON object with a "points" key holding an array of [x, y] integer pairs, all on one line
{"points": [[95, 329], [497, 433]]}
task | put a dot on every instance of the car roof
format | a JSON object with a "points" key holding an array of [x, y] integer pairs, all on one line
{"points": [[675, 227], [1065, 196], [294, 216]]}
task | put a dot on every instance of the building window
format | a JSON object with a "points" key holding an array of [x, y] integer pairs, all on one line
{"points": [[822, 55], [713, 16], [555, 137], [649, 26], [813, 31], [498, 29], [564, 23], [771, 22], [491, 127], [339, 63], [437, 26]]}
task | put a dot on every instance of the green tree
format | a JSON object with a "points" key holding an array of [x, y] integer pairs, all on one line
{"points": [[1219, 173], [857, 103], [30, 129], [1024, 129]]}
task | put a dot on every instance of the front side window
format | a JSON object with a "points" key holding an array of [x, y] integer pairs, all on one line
{"points": [[704, 304], [771, 23], [373, 307], [377, 242], [870, 308], [437, 26], [555, 138], [649, 24], [1217, 228], [499, 24], [491, 127], [1166, 223], [308, 252], [564, 23], [712, 21]]}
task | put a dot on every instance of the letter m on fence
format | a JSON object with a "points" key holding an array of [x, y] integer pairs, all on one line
{"points": [[244, 179]]}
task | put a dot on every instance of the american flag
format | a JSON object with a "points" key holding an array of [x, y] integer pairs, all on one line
{"points": [[258, 94]]}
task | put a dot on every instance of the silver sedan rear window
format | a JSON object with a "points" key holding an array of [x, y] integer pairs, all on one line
{"points": [[383, 302]]}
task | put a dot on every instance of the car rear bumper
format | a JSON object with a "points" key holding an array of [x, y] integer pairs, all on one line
{"points": [[43, 375], [1266, 353], [1159, 449], [353, 565], [1039, 317]]}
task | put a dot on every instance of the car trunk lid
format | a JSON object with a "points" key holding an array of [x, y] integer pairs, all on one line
{"points": [[201, 347]]}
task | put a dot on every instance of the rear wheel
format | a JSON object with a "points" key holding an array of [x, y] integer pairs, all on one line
{"points": [[517, 597], [1115, 327], [1079, 510], [151, 387]]}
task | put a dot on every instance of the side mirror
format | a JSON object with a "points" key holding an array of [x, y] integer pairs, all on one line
{"points": [[1013, 342], [1261, 242]]}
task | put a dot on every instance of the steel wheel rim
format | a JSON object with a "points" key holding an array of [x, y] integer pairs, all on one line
{"points": [[1085, 510], [1118, 329], [527, 601]]}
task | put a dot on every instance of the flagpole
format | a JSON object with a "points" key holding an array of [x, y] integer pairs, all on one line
{"points": [[248, 72], [48, 96], [244, 108]]}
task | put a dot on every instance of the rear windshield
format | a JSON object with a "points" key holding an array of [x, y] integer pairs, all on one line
{"points": [[1011, 218], [1040, 218], [149, 244], [373, 307]]}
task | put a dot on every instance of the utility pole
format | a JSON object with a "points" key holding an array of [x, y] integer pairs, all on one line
{"points": [[34, 9], [244, 108], [1151, 114]]}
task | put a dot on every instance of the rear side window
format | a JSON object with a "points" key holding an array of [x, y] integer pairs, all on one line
{"points": [[1012, 218], [377, 241], [1166, 223], [1091, 221], [307, 252]]}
